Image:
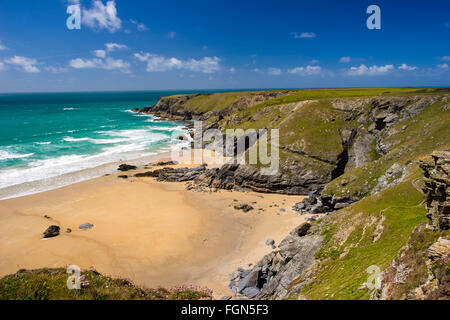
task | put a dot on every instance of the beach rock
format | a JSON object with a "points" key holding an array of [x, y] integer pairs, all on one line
{"points": [[226, 298], [272, 275], [301, 230], [250, 280], [270, 242], [165, 163], [250, 292], [243, 177], [322, 204], [174, 174], [123, 177], [52, 231], [244, 207], [86, 226], [68, 230], [126, 167]]}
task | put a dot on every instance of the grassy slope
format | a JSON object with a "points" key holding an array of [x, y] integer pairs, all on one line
{"points": [[51, 284], [352, 230], [349, 247]]}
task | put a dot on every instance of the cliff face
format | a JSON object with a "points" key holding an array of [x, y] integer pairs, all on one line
{"points": [[437, 189], [356, 153]]}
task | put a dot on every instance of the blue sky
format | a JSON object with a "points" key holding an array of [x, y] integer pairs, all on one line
{"points": [[156, 45]]}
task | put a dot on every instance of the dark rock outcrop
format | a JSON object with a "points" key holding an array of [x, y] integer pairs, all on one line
{"points": [[52, 231], [165, 163], [244, 207], [126, 167], [174, 174], [273, 275], [235, 176], [437, 189], [323, 204]]}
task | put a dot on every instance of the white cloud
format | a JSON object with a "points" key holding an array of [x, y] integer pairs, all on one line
{"points": [[116, 64], [306, 71], [172, 34], [205, 65], [114, 46], [27, 64], [156, 63], [140, 26], [371, 71], [99, 53], [102, 16], [2, 65], [345, 59], [79, 63], [107, 64], [404, 66], [445, 58], [443, 66], [256, 70], [302, 35], [314, 61], [274, 71], [232, 70], [56, 70], [2, 47]]}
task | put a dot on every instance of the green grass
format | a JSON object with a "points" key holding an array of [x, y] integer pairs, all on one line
{"points": [[352, 230], [413, 258], [316, 94], [51, 284]]}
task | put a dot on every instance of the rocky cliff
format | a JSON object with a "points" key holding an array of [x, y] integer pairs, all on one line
{"points": [[437, 189], [356, 153], [320, 139]]}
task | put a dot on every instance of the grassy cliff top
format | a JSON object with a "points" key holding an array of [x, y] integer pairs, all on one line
{"points": [[51, 284], [218, 101]]}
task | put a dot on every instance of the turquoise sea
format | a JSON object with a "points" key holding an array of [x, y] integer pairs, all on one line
{"points": [[49, 140]]}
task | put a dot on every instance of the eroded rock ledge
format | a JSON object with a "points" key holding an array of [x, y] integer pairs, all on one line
{"points": [[437, 189]]}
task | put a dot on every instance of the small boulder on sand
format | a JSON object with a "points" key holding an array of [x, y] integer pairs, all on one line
{"points": [[52, 231], [243, 207], [126, 167], [86, 226]]}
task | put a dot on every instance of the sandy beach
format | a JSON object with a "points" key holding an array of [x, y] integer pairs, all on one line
{"points": [[155, 233]]}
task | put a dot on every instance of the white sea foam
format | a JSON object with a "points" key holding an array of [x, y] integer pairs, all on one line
{"points": [[70, 139], [5, 155], [120, 145]]}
